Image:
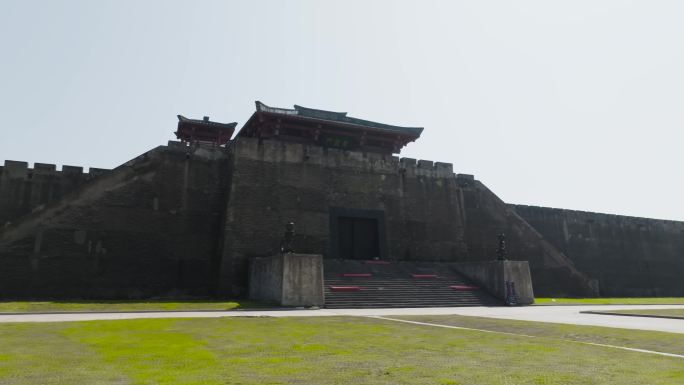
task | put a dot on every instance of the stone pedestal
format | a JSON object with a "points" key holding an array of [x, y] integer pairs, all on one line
{"points": [[287, 279], [493, 275]]}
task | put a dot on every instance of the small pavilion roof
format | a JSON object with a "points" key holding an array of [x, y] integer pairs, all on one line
{"points": [[205, 122], [192, 130]]}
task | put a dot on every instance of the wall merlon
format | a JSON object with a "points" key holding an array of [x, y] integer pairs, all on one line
{"points": [[16, 166], [465, 180], [72, 169], [20, 170], [425, 164], [93, 171], [40, 168], [446, 168], [175, 144], [277, 151]]}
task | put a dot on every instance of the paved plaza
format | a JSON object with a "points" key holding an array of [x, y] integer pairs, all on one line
{"points": [[554, 314]]}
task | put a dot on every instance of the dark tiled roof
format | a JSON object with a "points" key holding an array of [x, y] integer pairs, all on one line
{"points": [[206, 122], [338, 117]]}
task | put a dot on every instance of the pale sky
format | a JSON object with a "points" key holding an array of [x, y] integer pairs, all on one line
{"points": [[569, 104]]}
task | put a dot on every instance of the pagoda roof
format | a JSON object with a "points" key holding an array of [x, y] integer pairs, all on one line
{"points": [[338, 118], [205, 122], [195, 130]]}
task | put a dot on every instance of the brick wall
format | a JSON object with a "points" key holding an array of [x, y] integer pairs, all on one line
{"points": [[275, 182], [428, 213], [147, 228], [22, 189], [628, 256]]}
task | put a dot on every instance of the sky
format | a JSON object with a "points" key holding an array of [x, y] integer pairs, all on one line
{"points": [[569, 104]]}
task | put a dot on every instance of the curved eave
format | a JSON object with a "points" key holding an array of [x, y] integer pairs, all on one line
{"points": [[411, 136], [182, 120]]}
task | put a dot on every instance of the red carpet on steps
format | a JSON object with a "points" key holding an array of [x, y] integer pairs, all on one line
{"points": [[345, 288], [464, 287]]}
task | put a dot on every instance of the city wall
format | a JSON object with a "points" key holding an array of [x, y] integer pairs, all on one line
{"points": [[425, 212], [184, 220], [23, 189], [275, 182], [148, 228], [628, 256]]}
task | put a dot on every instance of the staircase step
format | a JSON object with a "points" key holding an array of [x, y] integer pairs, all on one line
{"points": [[384, 284]]}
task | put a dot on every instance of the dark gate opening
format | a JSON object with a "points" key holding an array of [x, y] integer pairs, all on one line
{"points": [[357, 234], [358, 238]]}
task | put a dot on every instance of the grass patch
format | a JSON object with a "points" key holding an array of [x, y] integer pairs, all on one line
{"points": [[120, 305], [639, 339], [653, 312], [610, 301], [308, 350]]}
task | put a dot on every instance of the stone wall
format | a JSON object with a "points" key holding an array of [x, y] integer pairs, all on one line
{"points": [[287, 279], [147, 228], [23, 189], [275, 182], [628, 256], [494, 275], [184, 220], [486, 216], [426, 212]]}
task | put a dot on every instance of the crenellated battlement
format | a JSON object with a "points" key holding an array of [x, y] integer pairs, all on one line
{"points": [[21, 170], [278, 151], [24, 188]]}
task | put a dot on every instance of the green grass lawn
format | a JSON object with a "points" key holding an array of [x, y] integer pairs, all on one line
{"points": [[639, 339], [310, 350], [610, 301], [76, 306], [656, 312]]}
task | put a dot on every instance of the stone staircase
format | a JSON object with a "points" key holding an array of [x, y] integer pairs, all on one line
{"points": [[383, 284]]}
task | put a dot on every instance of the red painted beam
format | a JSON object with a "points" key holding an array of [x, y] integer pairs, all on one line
{"points": [[424, 275], [357, 275], [345, 288], [464, 287]]}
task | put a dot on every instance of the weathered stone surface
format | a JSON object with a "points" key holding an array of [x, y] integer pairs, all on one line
{"points": [[628, 256], [493, 275], [147, 228], [272, 184], [287, 279], [486, 216], [24, 189], [184, 220], [426, 214]]}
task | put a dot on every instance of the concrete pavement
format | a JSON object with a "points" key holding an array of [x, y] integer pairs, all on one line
{"points": [[554, 314]]}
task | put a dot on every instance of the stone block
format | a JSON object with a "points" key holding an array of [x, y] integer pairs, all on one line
{"points": [[313, 154], [287, 279], [246, 147], [15, 169], [44, 167], [176, 144], [493, 276], [72, 170], [444, 169], [97, 171], [425, 164]]}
